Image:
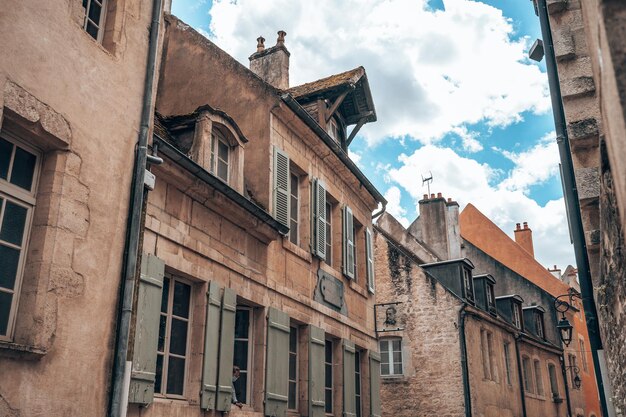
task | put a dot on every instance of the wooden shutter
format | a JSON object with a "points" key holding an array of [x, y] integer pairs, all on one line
{"points": [[149, 293], [349, 390], [277, 370], [374, 384], [226, 348], [317, 372], [282, 192], [369, 253], [348, 242], [211, 347], [319, 219]]}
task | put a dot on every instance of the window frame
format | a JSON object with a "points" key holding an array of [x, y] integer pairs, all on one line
{"points": [[539, 386], [294, 196], [517, 315], [583, 353], [329, 231], [27, 199], [358, 382], [539, 328], [250, 340], [554, 382], [507, 362], [101, 24], [468, 284], [168, 328], [295, 329], [527, 375], [329, 343], [217, 137], [391, 363]]}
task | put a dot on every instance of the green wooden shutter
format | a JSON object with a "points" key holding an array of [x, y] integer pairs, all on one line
{"points": [[369, 253], [348, 243], [349, 390], [227, 346], [141, 390], [282, 192], [319, 221], [317, 372], [211, 347], [277, 370], [374, 384]]}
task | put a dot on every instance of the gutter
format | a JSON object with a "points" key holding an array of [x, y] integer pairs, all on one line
{"points": [[464, 365], [572, 203], [183, 161], [119, 390], [334, 146]]}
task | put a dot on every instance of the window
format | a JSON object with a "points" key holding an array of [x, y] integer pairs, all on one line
{"points": [[19, 169], [538, 377], [349, 248], [220, 154], [333, 130], [554, 387], [573, 365], [357, 381], [243, 351], [391, 357], [489, 371], [469, 287], [528, 374], [583, 354], [507, 362], [173, 337], [329, 230], [95, 11], [517, 315], [490, 298], [294, 209], [293, 368], [539, 324], [328, 383]]}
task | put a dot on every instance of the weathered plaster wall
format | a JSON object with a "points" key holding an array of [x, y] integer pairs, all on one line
{"points": [[79, 103]]}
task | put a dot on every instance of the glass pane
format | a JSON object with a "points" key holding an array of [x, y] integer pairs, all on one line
{"points": [[241, 388], [384, 369], [384, 345], [6, 148], [357, 362], [159, 374], [397, 357], [396, 345], [9, 258], [292, 395], [175, 375], [181, 299], [293, 339], [292, 367], [240, 357], [222, 151], [23, 169], [178, 337], [5, 310], [94, 12], [12, 230], [165, 294], [92, 30], [222, 170], [329, 351], [294, 207], [242, 320], [162, 327], [384, 356], [329, 376], [358, 406], [397, 369], [329, 401]]}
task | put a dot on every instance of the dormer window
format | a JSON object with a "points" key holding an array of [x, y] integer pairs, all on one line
{"points": [[539, 324], [517, 315], [491, 301], [333, 130], [220, 153], [468, 283]]}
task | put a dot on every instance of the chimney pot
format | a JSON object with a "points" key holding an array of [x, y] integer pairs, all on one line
{"points": [[425, 197], [260, 44], [449, 199], [432, 196], [525, 225], [517, 226], [439, 195], [281, 37]]}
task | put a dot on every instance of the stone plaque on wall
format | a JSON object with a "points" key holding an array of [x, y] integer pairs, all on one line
{"points": [[330, 292]]}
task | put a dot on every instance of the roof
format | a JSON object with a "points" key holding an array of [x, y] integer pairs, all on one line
{"points": [[179, 119], [511, 296], [481, 232], [488, 277], [450, 261], [329, 83]]}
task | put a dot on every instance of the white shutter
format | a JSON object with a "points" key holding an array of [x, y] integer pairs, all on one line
{"points": [[369, 253], [282, 193], [319, 219], [348, 242]]}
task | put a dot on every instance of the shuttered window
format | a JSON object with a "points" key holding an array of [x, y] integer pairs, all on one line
{"points": [[369, 253], [149, 301], [348, 243], [328, 377], [277, 364], [349, 389], [319, 213], [317, 371], [282, 192], [374, 384], [227, 342], [243, 352]]}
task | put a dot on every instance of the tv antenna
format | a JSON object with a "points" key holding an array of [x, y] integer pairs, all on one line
{"points": [[427, 181]]}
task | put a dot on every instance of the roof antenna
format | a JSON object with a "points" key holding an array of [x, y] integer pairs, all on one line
{"points": [[427, 181]]}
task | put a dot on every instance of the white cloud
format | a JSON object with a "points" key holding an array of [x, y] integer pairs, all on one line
{"points": [[431, 72], [467, 181], [356, 157], [394, 208], [469, 139]]}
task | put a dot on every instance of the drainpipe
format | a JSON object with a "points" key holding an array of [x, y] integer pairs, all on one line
{"points": [[572, 202], [464, 365], [564, 371], [134, 225], [380, 212], [520, 375]]}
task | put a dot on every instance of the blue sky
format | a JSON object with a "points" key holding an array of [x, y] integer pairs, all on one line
{"points": [[454, 92]]}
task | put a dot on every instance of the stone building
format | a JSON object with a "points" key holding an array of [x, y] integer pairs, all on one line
{"points": [[464, 342], [71, 86], [589, 47], [492, 249], [257, 242]]}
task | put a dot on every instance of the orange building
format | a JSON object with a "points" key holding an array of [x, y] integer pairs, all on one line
{"points": [[481, 233]]}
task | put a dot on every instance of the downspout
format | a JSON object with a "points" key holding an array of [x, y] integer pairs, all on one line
{"points": [[133, 230], [464, 365], [564, 371], [380, 212], [520, 376], [572, 202]]}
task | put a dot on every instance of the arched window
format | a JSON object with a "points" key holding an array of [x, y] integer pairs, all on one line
{"points": [[528, 374], [554, 386], [538, 377]]}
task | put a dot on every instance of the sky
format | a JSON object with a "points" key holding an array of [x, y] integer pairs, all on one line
{"points": [[455, 94]]}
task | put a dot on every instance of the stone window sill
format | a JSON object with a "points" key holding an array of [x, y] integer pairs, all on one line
{"points": [[18, 351], [296, 250]]}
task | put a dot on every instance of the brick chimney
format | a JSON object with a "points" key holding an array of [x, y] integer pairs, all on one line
{"points": [[272, 64], [524, 238], [438, 226]]}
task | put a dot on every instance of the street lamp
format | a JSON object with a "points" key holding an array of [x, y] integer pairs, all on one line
{"points": [[565, 330], [577, 381], [562, 306]]}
